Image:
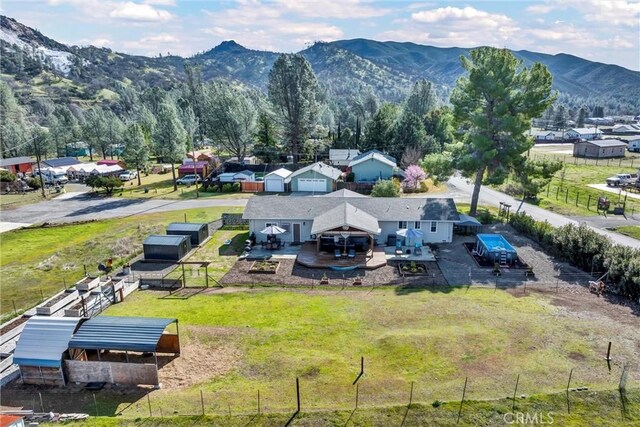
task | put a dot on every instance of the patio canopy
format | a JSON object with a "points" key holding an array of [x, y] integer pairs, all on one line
{"points": [[273, 230], [120, 333], [468, 221], [345, 216], [410, 233]]}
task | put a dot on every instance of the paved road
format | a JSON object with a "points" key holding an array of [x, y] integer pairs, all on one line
{"points": [[493, 197], [84, 206]]}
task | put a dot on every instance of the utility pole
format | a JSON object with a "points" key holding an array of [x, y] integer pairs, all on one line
{"points": [[36, 146]]}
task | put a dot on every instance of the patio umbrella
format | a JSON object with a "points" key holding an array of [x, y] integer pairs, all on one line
{"points": [[410, 233], [273, 230]]}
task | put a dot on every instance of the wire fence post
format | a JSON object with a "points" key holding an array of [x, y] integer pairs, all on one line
{"points": [[95, 402], [513, 406], [568, 385], [149, 403], [464, 391], [298, 392], [201, 397], [357, 394], [258, 401]]}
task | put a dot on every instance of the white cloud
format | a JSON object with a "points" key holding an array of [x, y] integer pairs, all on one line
{"points": [[97, 42], [539, 9], [456, 16], [613, 12], [140, 12], [342, 9], [160, 2], [160, 38]]}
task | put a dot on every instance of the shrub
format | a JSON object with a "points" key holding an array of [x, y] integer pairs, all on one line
{"points": [[351, 177], [6, 176], [386, 188], [227, 188], [486, 217], [236, 186], [588, 250], [33, 183]]}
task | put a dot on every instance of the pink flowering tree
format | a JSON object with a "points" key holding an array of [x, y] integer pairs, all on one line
{"points": [[414, 175]]}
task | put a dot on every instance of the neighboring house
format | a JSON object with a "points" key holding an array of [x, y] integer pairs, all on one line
{"points": [[342, 157], [77, 149], [109, 162], [248, 160], [61, 162], [276, 181], [203, 156], [626, 129], [583, 133], [246, 175], [312, 217], [373, 166], [187, 168], [547, 136], [600, 148], [318, 178], [11, 421], [17, 164], [634, 145]]}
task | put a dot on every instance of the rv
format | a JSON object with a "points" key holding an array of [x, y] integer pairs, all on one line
{"points": [[53, 176]]}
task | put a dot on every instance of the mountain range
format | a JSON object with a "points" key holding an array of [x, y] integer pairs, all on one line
{"points": [[41, 65]]}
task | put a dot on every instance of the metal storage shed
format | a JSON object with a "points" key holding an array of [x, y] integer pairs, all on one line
{"points": [[197, 232], [120, 334], [40, 347], [166, 248]]}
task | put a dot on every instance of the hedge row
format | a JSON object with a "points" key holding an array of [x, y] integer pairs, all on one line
{"points": [[588, 250]]}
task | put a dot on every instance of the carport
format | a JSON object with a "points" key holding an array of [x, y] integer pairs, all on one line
{"points": [[108, 337], [40, 349]]}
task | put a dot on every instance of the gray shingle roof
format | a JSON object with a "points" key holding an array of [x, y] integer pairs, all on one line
{"points": [[320, 168], [343, 193], [606, 143], [381, 208], [15, 161], [345, 215]]}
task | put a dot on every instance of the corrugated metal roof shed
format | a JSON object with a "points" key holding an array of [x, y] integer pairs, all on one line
{"points": [[43, 340], [185, 226], [164, 240], [120, 333]]}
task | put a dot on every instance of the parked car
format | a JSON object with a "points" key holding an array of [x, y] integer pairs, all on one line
{"points": [[622, 179], [188, 180], [128, 175]]}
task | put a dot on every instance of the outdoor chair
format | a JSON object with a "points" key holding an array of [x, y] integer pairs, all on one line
{"points": [[352, 253], [417, 251], [337, 254]]}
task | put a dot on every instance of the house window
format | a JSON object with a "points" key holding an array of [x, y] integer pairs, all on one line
{"points": [[417, 225], [402, 224], [269, 224], [434, 226], [286, 226]]}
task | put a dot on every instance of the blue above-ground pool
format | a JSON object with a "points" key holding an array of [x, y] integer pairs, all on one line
{"points": [[496, 248]]}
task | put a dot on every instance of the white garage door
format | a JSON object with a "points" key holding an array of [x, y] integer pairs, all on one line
{"points": [[308, 184], [274, 185]]}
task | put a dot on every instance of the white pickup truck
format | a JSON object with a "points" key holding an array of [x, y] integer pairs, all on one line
{"points": [[622, 179]]}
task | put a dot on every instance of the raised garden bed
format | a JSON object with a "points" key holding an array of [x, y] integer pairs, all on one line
{"points": [[57, 303], [78, 309], [7, 329], [264, 267], [412, 269], [87, 283]]}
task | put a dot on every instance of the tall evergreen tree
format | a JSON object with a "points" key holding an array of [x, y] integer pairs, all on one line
{"points": [[494, 103], [379, 130], [170, 137], [293, 93], [136, 149], [421, 100]]}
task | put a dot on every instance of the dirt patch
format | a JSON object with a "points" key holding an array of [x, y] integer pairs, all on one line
{"points": [[198, 362], [577, 356]]}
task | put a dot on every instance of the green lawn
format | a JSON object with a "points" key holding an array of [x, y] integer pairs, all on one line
{"points": [[601, 409], [570, 195], [45, 259], [629, 230], [262, 339]]}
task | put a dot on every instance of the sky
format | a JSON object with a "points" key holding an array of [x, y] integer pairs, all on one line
{"points": [[599, 30]]}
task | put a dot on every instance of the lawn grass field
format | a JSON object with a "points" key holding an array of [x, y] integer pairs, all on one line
{"points": [[46, 258], [569, 195], [601, 409], [629, 230], [262, 339]]}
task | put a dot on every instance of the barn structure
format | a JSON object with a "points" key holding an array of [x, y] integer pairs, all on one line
{"points": [[41, 348], [599, 148], [121, 350], [166, 248], [197, 232]]}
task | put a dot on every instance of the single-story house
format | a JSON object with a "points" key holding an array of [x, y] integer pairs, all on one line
{"points": [[547, 135], [203, 156], [112, 162], [373, 166], [317, 177], [599, 148], [276, 181], [247, 160], [245, 175], [187, 168], [313, 218], [342, 157], [583, 133], [17, 164], [626, 129], [61, 162]]}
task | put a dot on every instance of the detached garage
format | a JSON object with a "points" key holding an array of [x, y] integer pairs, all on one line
{"points": [[275, 182], [315, 178], [166, 248], [197, 232]]}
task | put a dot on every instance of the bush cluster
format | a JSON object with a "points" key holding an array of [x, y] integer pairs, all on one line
{"points": [[588, 250], [6, 176]]}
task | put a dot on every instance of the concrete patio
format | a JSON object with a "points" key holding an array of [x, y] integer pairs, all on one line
{"points": [[390, 253]]}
